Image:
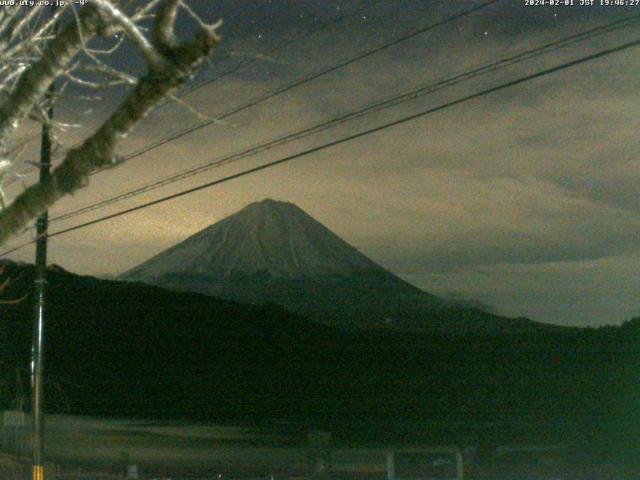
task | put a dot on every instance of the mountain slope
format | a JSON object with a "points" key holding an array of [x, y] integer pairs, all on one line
{"points": [[273, 237], [273, 252]]}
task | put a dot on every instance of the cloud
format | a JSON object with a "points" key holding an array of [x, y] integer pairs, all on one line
{"points": [[538, 176], [593, 292], [454, 222]]}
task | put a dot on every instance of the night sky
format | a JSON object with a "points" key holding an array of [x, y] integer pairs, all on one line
{"points": [[525, 200]]}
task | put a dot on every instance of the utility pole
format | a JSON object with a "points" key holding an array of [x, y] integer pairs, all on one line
{"points": [[37, 346]]}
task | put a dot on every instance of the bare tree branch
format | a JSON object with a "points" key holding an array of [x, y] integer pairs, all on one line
{"points": [[3, 287], [36, 79], [179, 63], [130, 28]]}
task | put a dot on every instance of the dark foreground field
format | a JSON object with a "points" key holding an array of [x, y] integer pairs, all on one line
{"points": [[179, 450], [133, 351]]}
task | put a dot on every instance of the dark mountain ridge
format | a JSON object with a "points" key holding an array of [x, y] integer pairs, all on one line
{"points": [[129, 349]]}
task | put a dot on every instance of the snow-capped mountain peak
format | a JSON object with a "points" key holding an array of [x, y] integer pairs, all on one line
{"points": [[269, 237]]}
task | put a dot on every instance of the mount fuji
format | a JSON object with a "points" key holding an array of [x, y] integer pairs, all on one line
{"points": [[273, 252]]}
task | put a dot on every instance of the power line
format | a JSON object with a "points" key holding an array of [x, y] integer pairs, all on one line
{"points": [[308, 79], [16, 248], [269, 52], [295, 84], [511, 83], [375, 107], [269, 95]]}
